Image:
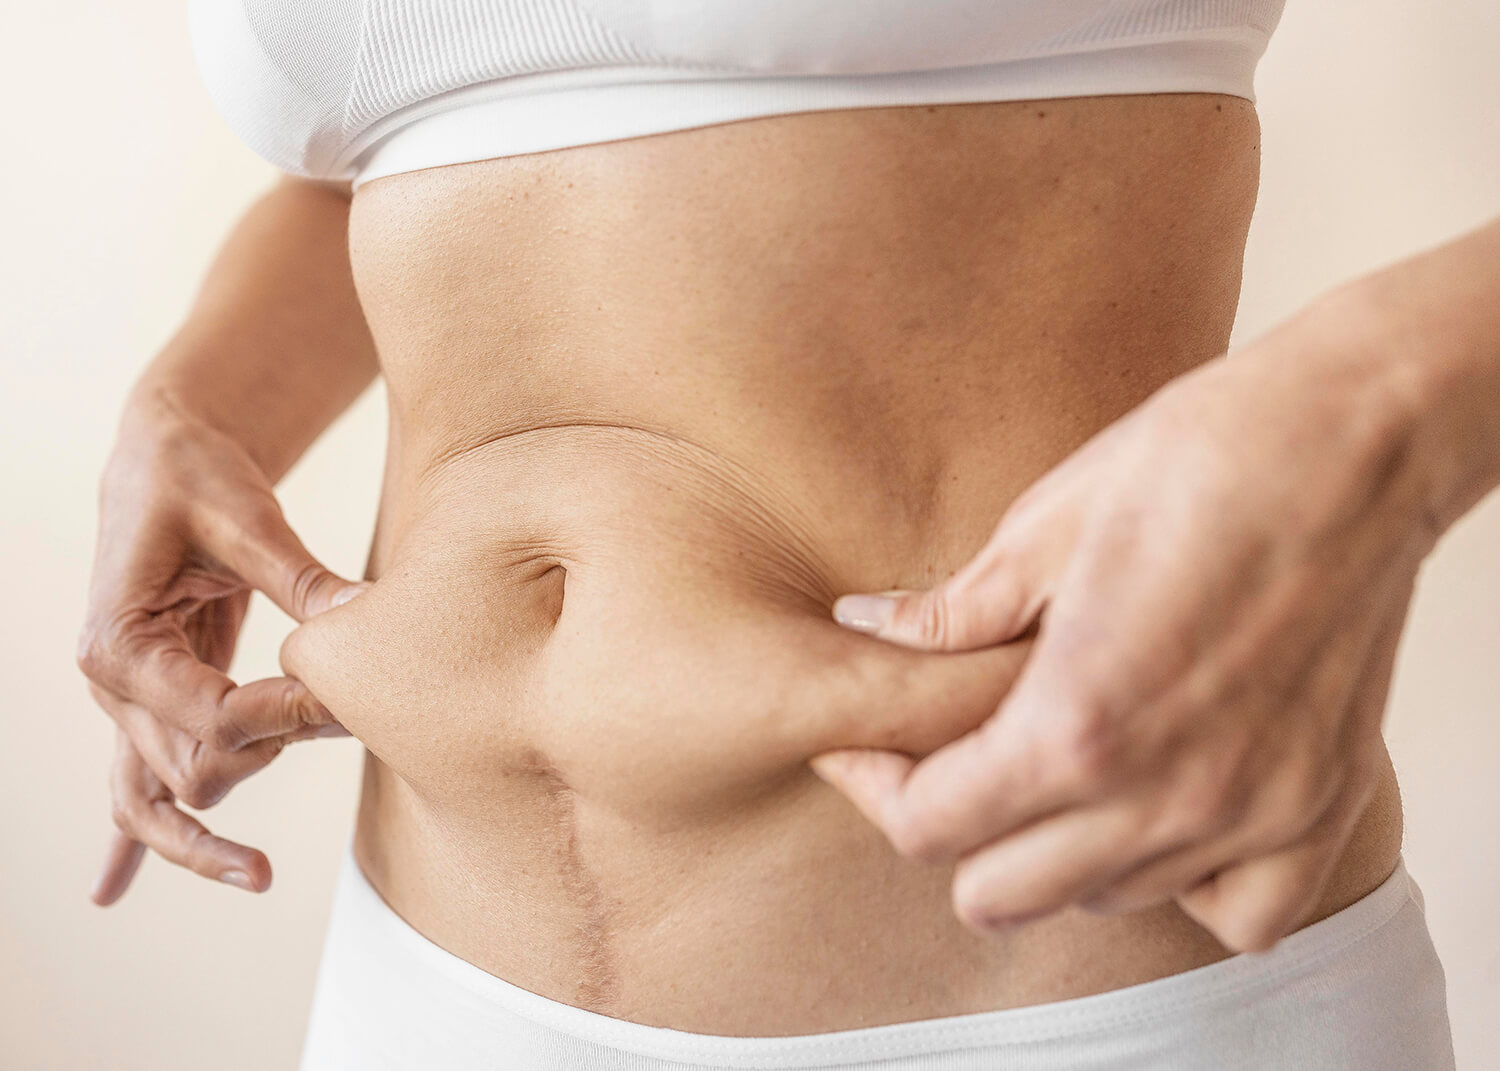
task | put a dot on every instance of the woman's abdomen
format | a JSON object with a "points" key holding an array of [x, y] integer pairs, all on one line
{"points": [[590, 687], [656, 403]]}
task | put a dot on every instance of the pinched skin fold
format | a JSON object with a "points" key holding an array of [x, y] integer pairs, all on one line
{"points": [[606, 686], [629, 628]]}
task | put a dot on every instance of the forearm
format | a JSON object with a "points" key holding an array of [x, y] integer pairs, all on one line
{"points": [[1433, 320], [276, 345]]}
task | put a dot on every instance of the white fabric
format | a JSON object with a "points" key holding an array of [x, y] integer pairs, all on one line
{"points": [[357, 89], [1362, 989]]}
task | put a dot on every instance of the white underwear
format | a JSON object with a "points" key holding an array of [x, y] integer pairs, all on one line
{"points": [[1362, 990]]}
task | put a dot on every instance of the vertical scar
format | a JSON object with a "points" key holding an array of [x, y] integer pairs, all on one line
{"points": [[598, 982]]}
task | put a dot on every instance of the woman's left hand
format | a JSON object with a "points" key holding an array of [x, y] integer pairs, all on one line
{"points": [[1220, 579]]}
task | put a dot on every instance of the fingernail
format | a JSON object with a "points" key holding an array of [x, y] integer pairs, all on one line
{"points": [[864, 613], [238, 878], [348, 593]]}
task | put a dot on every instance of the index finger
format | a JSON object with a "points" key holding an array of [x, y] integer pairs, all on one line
{"points": [[120, 864], [146, 813], [980, 787]]}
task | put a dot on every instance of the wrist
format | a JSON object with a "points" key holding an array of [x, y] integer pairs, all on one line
{"points": [[1428, 331], [165, 415], [158, 412], [203, 380]]}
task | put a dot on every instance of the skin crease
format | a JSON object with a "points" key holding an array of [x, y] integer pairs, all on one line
{"points": [[621, 496]]}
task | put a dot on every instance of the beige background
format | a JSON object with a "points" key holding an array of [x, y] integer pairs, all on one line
{"points": [[1382, 135]]}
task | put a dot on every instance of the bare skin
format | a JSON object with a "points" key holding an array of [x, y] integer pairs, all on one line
{"points": [[655, 405]]}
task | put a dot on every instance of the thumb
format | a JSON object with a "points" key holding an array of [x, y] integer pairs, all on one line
{"points": [[324, 590], [988, 602], [266, 554]]}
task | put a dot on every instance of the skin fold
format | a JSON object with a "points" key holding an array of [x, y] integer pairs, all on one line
{"points": [[654, 406]]}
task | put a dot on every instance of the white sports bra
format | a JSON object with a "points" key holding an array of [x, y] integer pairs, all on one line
{"points": [[357, 89]]}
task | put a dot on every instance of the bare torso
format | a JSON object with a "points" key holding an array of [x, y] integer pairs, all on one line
{"points": [[654, 404]]}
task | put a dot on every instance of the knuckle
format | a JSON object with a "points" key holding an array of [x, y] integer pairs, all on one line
{"points": [[194, 781], [914, 836], [124, 815], [1091, 741], [86, 654], [95, 649], [199, 795], [191, 851], [221, 733], [306, 583], [196, 792], [929, 618], [298, 707]]}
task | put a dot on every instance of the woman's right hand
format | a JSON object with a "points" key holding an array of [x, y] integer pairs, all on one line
{"points": [[188, 527]]}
